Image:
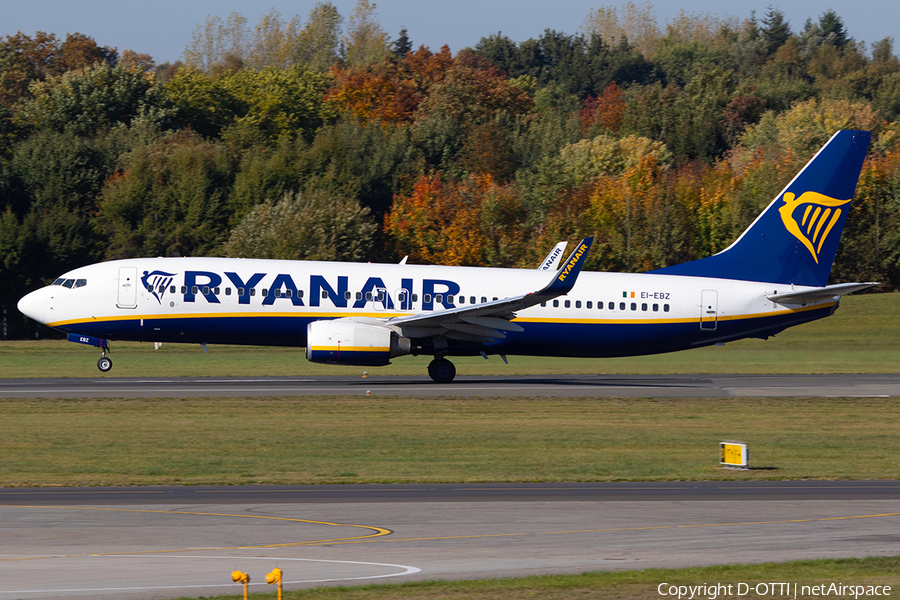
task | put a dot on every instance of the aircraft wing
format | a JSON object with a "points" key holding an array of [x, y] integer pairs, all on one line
{"points": [[487, 321], [828, 291]]}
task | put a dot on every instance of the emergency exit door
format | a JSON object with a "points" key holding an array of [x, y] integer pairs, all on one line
{"points": [[709, 309]]}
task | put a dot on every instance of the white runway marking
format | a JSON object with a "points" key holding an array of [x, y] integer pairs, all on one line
{"points": [[406, 570]]}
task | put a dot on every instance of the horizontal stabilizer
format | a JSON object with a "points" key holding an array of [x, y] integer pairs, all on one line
{"points": [[820, 293]]}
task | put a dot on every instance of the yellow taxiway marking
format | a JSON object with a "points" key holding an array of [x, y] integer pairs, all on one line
{"points": [[615, 530], [380, 532], [377, 531]]}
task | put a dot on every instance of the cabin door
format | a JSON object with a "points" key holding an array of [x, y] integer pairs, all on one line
{"points": [[128, 282]]}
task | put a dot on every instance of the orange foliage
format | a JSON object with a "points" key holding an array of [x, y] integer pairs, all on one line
{"points": [[466, 223], [606, 110], [389, 91]]}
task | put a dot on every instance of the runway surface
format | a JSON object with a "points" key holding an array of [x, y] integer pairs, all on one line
{"points": [[161, 542], [654, 386]]}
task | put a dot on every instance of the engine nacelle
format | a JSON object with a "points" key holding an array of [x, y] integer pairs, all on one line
{"points": [[352, 342]]}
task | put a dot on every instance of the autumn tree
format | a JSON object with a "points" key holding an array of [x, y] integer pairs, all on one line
{"points": [[366, 41]]}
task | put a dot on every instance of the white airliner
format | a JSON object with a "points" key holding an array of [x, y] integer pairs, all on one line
{"points": [[773, 277]]}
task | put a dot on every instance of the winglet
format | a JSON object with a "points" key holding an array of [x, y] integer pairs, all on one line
{"points": [[568, 273], [549, 263]]}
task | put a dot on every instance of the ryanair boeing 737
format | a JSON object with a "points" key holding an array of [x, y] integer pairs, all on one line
{"points": [[772, 277]]}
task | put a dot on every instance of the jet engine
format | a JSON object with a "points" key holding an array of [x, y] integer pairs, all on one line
{"points": [[353, 342]]}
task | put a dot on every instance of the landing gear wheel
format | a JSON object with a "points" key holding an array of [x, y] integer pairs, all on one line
{"points": [[441, 370], [104, 363]]}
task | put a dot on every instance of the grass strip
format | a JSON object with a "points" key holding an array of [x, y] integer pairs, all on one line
{"points": [[862, 337], [627, 585], [403, 440]]}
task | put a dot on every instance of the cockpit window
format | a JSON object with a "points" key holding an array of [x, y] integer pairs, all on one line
{"points": [[70, 283]]}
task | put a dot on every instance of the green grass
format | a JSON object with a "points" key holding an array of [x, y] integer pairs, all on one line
{"points": [[625, 585], [371, 439], [862, 337]]}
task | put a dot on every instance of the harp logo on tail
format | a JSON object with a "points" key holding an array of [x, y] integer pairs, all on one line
{"points": [[812, 224]]}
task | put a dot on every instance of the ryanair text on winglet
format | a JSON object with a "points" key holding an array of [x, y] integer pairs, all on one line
{"points": [[568, 268]]}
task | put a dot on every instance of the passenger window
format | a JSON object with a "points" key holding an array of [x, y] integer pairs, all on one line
{"points": [[634, 306], [228, 291], [495, 298], [568, 304], [253, 291], [265, 291], [288, 293], [205, 290], [415, 298], [656, 308], [589, 304], [184, 289], [483, 299], [324, 294], [347, 295], [195, 290], [644, 307], [426, 298], [438, 298], [359, 295], [612, 306], [240, 291], [543, 304], [578, 304], [621, 306], [471, 299], [276, 293], [368, 296], [172, 289], [556, 304], [462, 299], [299, 293], [216, 291], [665, 308], [449, 299]]}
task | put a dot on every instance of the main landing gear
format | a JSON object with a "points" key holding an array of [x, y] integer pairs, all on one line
{"points": [[441, 370]]}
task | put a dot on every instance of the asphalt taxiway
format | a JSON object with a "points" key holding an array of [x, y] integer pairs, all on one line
{"points": [[653, 386], [142, 543]]}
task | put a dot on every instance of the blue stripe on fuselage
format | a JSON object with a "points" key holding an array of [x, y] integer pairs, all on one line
{"points": [[558, 338]]}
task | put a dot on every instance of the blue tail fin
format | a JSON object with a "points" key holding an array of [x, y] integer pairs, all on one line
{"points": [[796, 238]]}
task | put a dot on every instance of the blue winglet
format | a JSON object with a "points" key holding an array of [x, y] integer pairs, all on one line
{"points": [[568, 273]]}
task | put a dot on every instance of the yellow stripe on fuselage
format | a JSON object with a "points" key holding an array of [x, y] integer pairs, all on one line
{"points": [[382, 315]]}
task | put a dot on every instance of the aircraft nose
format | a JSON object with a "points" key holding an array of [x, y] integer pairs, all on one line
{"points": [[32, 305]]}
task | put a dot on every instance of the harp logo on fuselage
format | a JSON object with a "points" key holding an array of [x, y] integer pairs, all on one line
{"points": [[816, 220]]}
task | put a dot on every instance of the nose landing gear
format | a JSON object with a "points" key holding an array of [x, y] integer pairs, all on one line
{"points": [[441, 370], [104, 363]]}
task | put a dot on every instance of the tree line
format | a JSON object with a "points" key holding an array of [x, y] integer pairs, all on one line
{"points": [[323, 138]]}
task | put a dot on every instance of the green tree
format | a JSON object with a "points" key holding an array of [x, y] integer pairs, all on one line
{"points": [[93, 99], [168, 199], [318, 44], [366, 42], [314, 225]]}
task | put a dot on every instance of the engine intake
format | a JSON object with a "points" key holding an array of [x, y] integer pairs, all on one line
{"points": [[351, 342]]}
